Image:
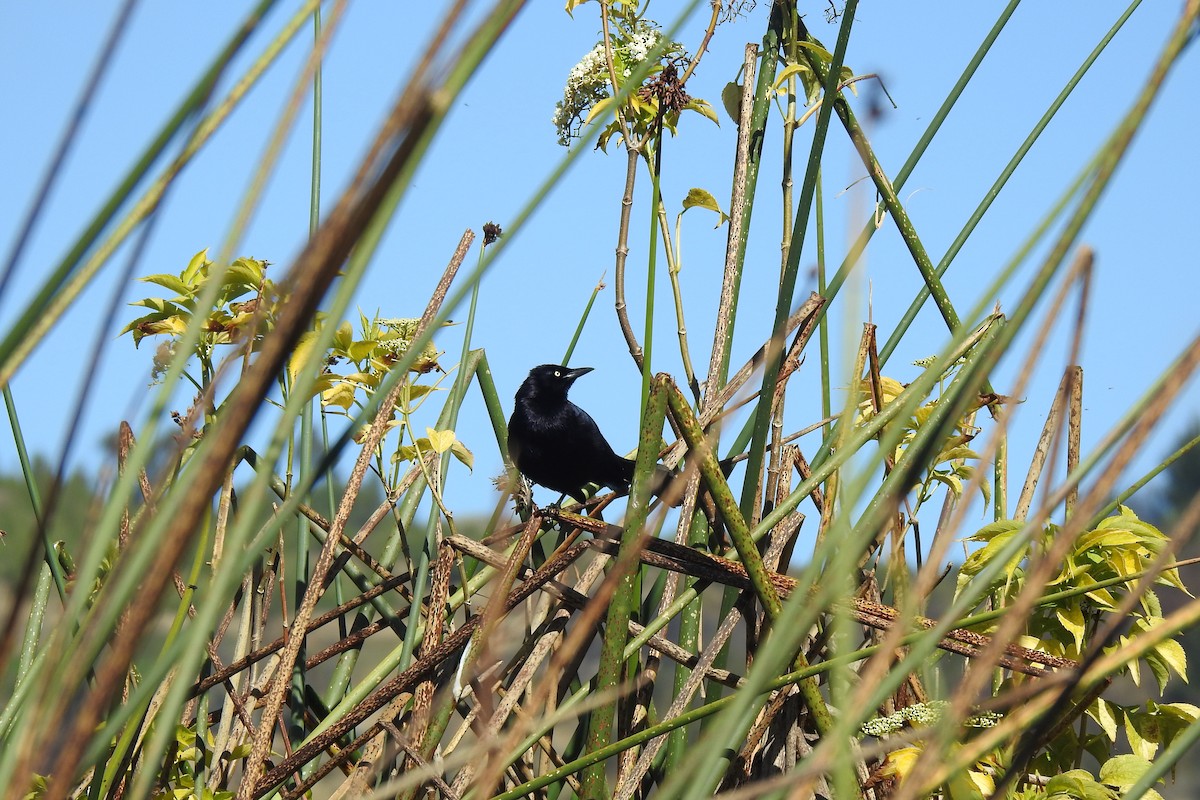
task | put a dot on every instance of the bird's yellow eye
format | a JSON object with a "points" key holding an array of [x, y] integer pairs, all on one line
{"points": [[557, 373]]}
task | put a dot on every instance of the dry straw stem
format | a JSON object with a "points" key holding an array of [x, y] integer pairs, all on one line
{"points": [[61, 299], [557, 617], [1042, 567], [1009, 626], [687, 560], [313, 272], [264, 737], [421, 670], [701, 665], [735, 245]]}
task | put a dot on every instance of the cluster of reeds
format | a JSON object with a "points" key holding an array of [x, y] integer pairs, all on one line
{"points": [[555, 653]]}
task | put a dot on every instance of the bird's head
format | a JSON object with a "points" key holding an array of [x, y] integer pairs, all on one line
{"points": [[551, 380]]}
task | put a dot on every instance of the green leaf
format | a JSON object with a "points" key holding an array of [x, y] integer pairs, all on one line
{"points": [[195, 268], [968, 784], [1186, 713], [1071, 618], [790, 71], [731, 98], [818, 52], [957, 452], [441, 441], [993, 529], [599, 109], [1143, 736], [301, 353], [341, 394], [1123, 771], [1106, 538], [360, 351], [343, 337], [704, 109], [1159, 669], [460, 451], [248, 272], [171, 282], [951, 481], [701, 198], [1076, 783], [1106, 716]]}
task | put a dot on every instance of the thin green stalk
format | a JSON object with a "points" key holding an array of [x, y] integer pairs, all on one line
{"points": [[35, 495], [297, 701], [651, 265], [616, 630], [823, 324], [787, 284], [583, 318], [689, 639], [1142, 481], [994, 191], [51, 300], [33, 626]]}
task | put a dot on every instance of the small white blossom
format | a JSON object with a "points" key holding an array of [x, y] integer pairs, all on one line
{"points": [[588, 81]]}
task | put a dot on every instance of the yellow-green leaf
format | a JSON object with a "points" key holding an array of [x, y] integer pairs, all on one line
{"points": [[969, 785], [301, 353], [343, 337], [703, 108], [790, 71], [899, 763], [441, 441], [599, 109], [701, 198], [1105, 714], [341, 394], [1123, 771], [731, 98], [195, 267], [957, 452], [166, 281], [1071, 618], [360, 351], [464, 455]]}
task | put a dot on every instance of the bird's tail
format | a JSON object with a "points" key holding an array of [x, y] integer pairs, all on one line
{"points": [[670, 485]]}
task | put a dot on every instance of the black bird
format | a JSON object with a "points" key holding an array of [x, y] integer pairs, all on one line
{"points": [[557, 444]]}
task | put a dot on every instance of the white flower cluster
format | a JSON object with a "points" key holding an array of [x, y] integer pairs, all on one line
{"points": [[587, 83], [643, 40], [923, 714]]}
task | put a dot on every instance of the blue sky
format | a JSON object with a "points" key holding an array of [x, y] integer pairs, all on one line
{"points": [[498, 145]]}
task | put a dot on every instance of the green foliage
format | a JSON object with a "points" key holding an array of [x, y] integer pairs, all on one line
{"points": [[589, 94], [368, 358], [1121, 546], [951, 466], [355, 364], [246, 653], [244, 309], [190, 756]]}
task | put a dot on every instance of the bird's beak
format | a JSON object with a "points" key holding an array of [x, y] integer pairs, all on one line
{"points": [[578, 372]]}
